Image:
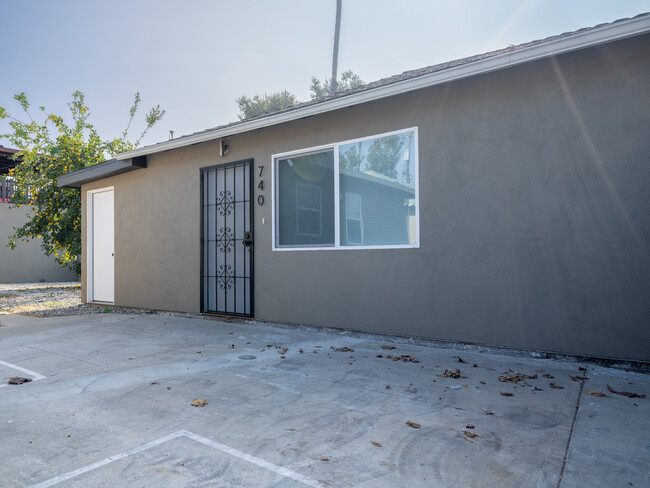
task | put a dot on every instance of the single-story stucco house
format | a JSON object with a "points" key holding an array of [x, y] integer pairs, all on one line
{"points": [[501, 199]]}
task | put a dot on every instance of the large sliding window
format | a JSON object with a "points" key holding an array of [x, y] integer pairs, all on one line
{"points": [[353, 194]]}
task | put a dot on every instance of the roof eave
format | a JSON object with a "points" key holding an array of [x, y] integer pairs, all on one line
{"points": [[593, 37], [100, 171]]}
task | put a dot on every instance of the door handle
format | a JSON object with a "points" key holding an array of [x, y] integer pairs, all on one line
{"points": [[248, 239]]}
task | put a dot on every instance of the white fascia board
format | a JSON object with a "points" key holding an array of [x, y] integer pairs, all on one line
{"points": [[593, 37]]}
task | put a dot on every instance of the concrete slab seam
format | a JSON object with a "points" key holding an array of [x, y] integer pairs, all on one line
{"points": [[35, 376], [573, 425], [287, 473]]}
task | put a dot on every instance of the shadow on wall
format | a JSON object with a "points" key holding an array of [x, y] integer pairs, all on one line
{"points": [[25, 263]]}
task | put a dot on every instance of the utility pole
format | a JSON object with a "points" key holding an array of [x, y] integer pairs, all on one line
{"points": [[335, 56]]}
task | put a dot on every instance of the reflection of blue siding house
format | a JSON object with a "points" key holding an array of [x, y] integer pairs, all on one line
{"points": [[370, 204]]}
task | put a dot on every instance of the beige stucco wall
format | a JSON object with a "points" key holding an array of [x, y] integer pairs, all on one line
{"points": [[534, 215], [26, 262]]}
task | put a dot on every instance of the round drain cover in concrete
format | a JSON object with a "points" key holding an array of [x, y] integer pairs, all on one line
{"points": [[247, 356]]}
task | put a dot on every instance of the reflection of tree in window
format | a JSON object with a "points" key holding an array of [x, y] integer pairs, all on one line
{"points": [[384, 154], [352, 158]]}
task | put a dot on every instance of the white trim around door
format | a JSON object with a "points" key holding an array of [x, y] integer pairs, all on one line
{"points": [[100, 249]]}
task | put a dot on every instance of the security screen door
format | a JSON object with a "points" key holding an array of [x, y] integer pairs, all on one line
{"points": [[226, 285]]}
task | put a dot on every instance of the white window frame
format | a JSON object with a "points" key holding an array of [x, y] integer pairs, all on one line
{"points": [[337, 225]]}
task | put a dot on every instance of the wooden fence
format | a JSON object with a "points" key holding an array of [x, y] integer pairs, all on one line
{"points": [[6, 191]]}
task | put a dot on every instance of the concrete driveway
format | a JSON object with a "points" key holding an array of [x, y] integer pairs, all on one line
{"points": [[110, 405]]}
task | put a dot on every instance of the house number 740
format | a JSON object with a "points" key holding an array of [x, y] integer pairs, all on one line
{"points": [[260, 198]]}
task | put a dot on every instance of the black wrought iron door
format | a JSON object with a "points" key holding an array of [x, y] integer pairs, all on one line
{"points": [[227, 239]]}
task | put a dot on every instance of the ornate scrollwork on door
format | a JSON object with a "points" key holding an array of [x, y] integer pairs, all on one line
{"points": [[225, 277], [225, 239], [225, 202]]}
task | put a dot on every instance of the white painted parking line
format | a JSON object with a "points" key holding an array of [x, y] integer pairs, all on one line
{"points": [[287, 473], [35, 376]]}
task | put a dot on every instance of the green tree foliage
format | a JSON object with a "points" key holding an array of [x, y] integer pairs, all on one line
{"points": [[323, 89], [352, 158], [384, 154], [262, 104], [49, 149]]}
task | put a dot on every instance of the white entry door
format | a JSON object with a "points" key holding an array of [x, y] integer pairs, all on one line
{"points": [[101, 271]]}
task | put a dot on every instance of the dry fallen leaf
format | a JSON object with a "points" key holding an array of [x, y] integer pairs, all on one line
{"points": [[516, 378], [199, 402], [461, 360], [407, 358], [300, 351], [625, 393], [388, 348], [413, 424], [578, 378], [342, 349], [468, 439], [181, 463], [488, 412], [596, 393], [505, 393], [471, 434], [557, 387], [452, 373], [375, 443], [469, 426], [18, 380], [324, 459]]}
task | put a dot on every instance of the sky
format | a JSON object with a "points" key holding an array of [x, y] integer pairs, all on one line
{"points": [[195, 57]]}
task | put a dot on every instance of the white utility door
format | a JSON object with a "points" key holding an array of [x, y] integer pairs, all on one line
{"points": [[102, 253]]}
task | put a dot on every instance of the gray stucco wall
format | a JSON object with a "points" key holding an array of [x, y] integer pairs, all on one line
{"points": [[534, 215], [25, 263]]}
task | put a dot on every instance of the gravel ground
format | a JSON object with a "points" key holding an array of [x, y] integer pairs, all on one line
{"points": [[48, 300]]}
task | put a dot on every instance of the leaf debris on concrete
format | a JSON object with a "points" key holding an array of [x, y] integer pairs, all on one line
{"points": [[377, 444], [625, 393], [578, 377], [342, 349], [406, 358], [413, 424], [557, 387], [199, 402], [505, 393], [388, 348], [452, 373], [517, 377], [595, 393], [18, 380]]}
